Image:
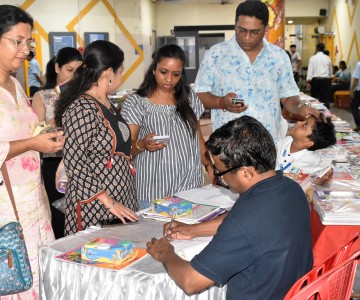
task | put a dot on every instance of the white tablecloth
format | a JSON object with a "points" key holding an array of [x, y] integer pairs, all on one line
{"points": [[145, 279]]}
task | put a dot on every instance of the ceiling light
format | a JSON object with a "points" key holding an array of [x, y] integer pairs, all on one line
{"points": [[290, 21]]}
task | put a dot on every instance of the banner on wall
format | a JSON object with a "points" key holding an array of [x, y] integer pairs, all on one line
{"points": [[275, 34]]}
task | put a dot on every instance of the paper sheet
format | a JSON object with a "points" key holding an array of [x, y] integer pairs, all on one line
{"points": [[210, 195], [187, 249]]}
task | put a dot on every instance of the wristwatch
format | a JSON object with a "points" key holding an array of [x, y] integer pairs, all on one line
{"points": [[303, 103]]}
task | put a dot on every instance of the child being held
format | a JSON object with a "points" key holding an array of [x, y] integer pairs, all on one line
{"points": [[295, 153]]}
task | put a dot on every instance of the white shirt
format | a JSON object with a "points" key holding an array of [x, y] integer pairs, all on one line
{"points": [[295, 58], [303, 161], [320, 65], [356, 75]]}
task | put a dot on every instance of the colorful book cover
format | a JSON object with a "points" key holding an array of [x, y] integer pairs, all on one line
{"points": [[200, 213], [74, 256], [168, 206], [304, 180]]}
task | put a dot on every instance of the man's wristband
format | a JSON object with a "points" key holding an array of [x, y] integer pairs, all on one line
{"points": [[221, 105]]}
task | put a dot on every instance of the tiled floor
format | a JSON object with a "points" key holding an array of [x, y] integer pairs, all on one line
{"points": [[344, 114]]}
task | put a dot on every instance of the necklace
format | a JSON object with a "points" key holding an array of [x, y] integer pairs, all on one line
{"points": [[104, 102]]}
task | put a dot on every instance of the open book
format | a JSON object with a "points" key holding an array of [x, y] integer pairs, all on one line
{"points": [[210, 195]]}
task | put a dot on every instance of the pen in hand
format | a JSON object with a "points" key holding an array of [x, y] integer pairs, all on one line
{"points": [[173, 214]]}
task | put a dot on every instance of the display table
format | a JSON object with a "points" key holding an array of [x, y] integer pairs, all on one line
{"points": [[145, 279], [326, 239]]}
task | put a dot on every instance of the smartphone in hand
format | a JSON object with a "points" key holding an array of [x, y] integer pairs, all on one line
{"points": [[238, 101], [162, 139]]}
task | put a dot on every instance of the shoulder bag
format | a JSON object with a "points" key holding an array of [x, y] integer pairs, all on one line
{"points": [[15, 270]]}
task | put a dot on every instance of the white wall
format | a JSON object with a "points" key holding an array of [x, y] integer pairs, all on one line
{"points": [[140, 18], [305, 8], [344, 21], [182, 14], [136, 16]]}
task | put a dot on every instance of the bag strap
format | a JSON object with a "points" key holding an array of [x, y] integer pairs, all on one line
{"points": [[9, 189]]}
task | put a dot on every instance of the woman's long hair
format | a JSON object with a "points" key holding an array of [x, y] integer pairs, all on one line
{"points": [[98, 57], [182, 91], [64, 56]]}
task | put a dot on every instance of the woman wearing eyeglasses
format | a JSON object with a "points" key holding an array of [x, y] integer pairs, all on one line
{"points": [[18, 149]]}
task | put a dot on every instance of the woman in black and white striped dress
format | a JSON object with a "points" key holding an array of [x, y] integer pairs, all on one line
{"points": [[165, 105]]}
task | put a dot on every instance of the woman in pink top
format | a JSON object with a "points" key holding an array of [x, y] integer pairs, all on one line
{"points": [[18, 149]]}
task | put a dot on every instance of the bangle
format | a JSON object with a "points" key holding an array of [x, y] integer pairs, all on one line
{"points": [[137, 146], [111, 205], [221, 106]]}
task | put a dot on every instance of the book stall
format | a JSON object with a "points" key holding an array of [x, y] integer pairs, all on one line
{"points": [[112, 263], [335, 206]]}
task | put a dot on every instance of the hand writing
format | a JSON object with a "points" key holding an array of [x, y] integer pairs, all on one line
{"points": [[178, 231]]}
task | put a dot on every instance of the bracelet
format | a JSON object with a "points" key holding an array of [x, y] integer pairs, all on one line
{"points": [[137, 146], [221, 106], [111, 206]]}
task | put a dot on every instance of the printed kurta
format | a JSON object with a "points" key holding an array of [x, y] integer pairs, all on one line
{"points": [[174, 168], [93, 165], [17, 121]]}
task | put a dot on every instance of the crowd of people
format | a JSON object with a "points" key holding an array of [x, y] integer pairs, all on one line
{"points": [[116, 166]]}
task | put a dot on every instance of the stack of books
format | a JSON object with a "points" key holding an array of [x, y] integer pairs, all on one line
{"points": [[196, 214], [338, 207]]}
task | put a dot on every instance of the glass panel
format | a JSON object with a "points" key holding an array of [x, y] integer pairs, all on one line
{"points": [[188, 45]]}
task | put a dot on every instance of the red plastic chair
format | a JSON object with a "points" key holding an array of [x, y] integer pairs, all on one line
{"points": [[335, 284], [321, 269]]}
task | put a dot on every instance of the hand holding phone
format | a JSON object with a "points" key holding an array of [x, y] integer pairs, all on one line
{"points": [[162, 139], [238, 101]]}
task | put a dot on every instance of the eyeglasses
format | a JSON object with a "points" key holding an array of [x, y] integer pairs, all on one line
{"points": [[21, 44], [253, 33], [219, 174]]}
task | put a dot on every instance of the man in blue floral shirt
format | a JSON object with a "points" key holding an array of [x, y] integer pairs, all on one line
{"points": [[250, 68]]}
